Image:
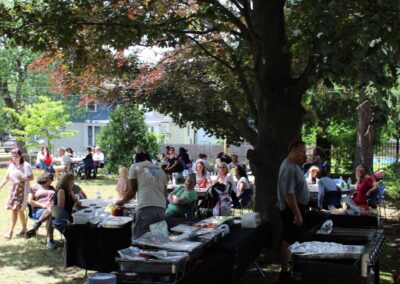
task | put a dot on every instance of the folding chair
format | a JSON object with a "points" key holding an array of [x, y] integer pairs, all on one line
{"points": [[381, 201], [59, 220]]}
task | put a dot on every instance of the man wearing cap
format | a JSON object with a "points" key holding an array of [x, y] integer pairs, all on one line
{"points": [[40, 199], [148, 183]]}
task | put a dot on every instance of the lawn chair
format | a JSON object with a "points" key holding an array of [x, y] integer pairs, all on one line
{"points": [[59, 220], [381, 201]]}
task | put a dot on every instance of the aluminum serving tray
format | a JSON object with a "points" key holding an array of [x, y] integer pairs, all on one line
{"points": [[151, 266]]}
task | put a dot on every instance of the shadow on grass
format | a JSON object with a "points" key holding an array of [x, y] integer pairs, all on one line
{"points": [[33, 255]]}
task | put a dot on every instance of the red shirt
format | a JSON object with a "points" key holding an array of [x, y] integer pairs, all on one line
{"points": [[362, 189]]}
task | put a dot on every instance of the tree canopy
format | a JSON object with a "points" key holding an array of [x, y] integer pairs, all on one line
{"points": [[239, 68], [45, 118]]}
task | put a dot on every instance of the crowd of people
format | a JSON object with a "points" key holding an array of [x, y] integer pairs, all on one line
{"points": [[87, 167], [296, 173]]}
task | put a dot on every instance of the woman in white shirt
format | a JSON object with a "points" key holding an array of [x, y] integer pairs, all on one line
{"points": [[244, 191], [225, 177]]}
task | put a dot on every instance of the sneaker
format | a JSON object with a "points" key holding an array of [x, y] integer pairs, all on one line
{"points": [[31, 233], [51, 244]]}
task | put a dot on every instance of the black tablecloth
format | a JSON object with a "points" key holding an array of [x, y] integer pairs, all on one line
{"points": [[228, 259], [95, 248]]}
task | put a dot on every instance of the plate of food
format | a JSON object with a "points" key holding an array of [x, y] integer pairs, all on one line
{"points": [[115, 222]]}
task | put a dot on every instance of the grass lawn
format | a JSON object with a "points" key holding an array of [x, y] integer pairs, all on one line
{"points": [[27, 261]]}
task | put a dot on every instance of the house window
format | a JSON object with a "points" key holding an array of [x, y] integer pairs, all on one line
{"points": [[188, 130], [91, 106], [93, 132], [90, 135]]}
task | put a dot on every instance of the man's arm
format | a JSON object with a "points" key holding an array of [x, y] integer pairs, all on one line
{"points": [[291, 201], [131, 192]]}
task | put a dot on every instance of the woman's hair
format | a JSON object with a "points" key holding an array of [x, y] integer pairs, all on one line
{"points": [[66, 182], [69, 150], [223, 165], [89, 149], [367, 172], [310, 171], [44, 177], [241, 171], [123, 172], [19, 153], [45, 148], [203, 171]]}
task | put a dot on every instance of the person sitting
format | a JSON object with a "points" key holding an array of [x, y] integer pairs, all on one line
{"points": [[98, 160], [78, 191], [244, 191], [181, 199], [311, 175], [122, 184], [202, 158], [65, 198], [184, 159], [221, 158], [328, 192], [172, 164], [225, 177], [64, 160], [40, 199], [87, 164], [314, 160], [202, 175], [235, 161], [44, 160], [367, 188]]}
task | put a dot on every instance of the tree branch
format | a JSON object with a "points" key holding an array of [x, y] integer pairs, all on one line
{"points": [[232, 17], [223, 62], [302, 83]]}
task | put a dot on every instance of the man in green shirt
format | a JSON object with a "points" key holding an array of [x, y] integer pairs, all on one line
{"points": [[181, 198]]}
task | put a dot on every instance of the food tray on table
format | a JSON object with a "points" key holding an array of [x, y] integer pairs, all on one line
{"points": [[325, 250], [113, 222], [160, 242], [151, 261], [214, 221]]}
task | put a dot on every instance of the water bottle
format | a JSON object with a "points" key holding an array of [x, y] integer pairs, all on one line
{"points": [[341, 182], [349, 183]]}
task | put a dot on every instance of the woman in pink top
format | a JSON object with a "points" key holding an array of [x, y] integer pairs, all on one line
{"points": [[366, 186]]}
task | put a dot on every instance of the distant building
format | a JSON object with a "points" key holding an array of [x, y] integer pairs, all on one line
{"points": [[98, 115]]}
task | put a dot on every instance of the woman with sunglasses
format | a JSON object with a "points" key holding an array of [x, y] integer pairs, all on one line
{"points": [[225, 177], [19, 174]]}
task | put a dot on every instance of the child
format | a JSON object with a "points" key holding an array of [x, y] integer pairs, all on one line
{"points": [[122, 184]]}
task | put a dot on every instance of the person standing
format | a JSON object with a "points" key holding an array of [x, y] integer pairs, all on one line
{"points": [[293, 196], [148, 183], [19, 174]]}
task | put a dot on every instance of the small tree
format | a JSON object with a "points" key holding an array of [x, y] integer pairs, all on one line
{"points": [[46, 118], [125, 131]]}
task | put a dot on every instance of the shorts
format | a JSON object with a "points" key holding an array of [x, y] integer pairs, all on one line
{"points": [[291, 232], [37, 213], [144, 217]]}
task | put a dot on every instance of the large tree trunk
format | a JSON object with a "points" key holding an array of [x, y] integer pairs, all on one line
{"points": [[325, 145], [282, 126], [364, 145], [278, 102]]}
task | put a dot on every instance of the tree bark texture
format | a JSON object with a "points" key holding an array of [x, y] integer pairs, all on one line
{"points": [[364, 145]]}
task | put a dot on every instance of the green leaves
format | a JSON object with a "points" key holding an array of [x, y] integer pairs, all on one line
{"points": [[45, 118]]}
